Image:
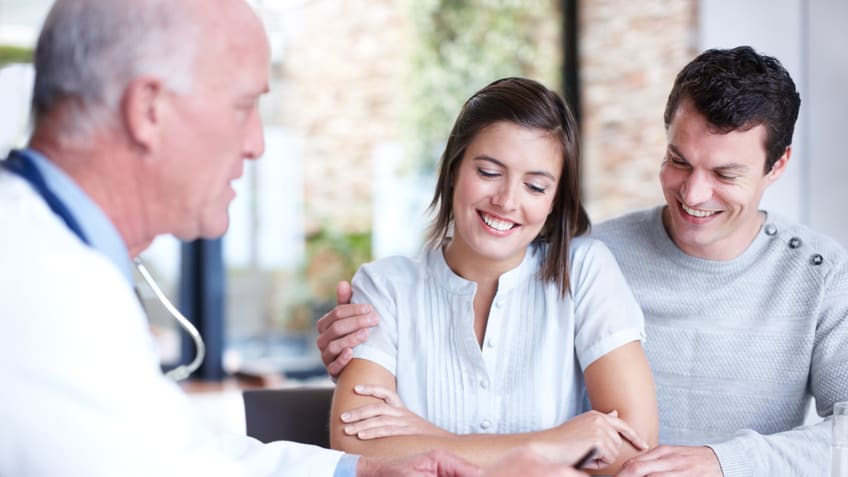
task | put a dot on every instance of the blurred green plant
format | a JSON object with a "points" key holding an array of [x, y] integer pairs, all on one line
{"points": [[333, 255], [291, 301], [14, 54], [461, 46]]}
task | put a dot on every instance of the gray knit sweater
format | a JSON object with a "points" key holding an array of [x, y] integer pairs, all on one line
{"points": [[739, 347]]}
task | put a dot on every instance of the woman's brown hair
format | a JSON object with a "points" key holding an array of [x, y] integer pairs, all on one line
{"points": [[531, 105]]}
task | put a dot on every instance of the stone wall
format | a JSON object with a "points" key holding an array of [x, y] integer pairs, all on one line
{"points": [[343, 63], [630, 53]]}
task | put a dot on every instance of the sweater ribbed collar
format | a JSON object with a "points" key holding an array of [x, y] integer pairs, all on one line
{"points": [[667, 248]]}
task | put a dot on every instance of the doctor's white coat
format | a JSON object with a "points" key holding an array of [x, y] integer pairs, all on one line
{"points": [[81, 392]]}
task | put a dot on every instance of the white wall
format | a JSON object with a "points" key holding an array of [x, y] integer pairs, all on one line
{"points": [[827, 98], [15, 92], [808, 37]]}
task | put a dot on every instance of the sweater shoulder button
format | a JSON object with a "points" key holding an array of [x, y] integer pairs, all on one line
{"points": [[770, 229]]}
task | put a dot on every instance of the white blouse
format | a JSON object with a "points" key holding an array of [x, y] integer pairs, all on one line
{"points": [[528, 375]]}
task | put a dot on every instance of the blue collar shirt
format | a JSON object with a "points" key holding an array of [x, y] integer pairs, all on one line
{"points": [[96, 226]]}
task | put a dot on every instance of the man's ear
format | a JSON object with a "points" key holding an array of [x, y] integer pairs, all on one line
{"points": [[779, 165], [142, 107]]}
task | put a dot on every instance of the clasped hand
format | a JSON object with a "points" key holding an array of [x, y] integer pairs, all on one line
{"points": [[606, 432]]}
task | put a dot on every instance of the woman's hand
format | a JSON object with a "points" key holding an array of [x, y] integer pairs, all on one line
{"points": [[385, 419], [605, 432]]}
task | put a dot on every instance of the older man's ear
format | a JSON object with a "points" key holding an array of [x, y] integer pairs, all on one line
{"points": [[143, 108]]}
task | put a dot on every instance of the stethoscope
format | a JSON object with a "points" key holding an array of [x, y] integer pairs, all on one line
{"points": [[23, 166]]}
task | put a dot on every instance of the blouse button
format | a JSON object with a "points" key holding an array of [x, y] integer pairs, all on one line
{"points": [[816, 259], [486, 424], [794, 242], [771, 229]]}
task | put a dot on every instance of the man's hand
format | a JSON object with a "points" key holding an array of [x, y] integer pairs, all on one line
{"points": [[344, 327], [674, 461]]}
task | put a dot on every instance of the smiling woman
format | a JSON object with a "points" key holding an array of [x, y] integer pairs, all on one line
{"points": [[497, 334], [504, 193]]}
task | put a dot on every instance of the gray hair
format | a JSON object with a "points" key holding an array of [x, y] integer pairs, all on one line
{"points": [[90, 50]]}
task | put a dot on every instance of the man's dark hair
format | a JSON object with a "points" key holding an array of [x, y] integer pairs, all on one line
{"points": [[739, 89]]}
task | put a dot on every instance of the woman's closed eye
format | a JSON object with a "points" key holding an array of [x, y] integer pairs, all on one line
{"points": [[536, 188], [487, 172]]}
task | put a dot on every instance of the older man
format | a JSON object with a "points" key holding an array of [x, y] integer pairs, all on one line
{"points": [[145, 111], [746, 313]]}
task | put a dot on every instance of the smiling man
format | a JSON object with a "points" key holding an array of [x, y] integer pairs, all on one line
{"points": [[746, 313], [713, 183]]}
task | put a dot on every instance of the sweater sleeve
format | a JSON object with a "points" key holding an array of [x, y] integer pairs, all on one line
{"points": [[803, 450], [800, 451]]}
